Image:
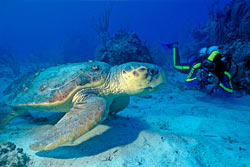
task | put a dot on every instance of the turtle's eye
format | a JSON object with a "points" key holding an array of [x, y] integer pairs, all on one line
{"points": [[153, 71], [142, 69]]}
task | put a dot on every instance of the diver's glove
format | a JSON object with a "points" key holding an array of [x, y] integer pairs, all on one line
{"points": [[170, 45], [212, 79], [213, 82]]}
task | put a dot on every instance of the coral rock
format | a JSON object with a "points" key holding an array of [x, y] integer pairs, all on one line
{"points": [[12, 157], [123, 48]]}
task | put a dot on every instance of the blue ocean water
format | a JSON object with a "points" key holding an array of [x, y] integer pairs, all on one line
{"points": [[176, 126], [33, 26]]}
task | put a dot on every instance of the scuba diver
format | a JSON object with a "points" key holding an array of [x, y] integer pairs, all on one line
{"points": [[209, 69]]}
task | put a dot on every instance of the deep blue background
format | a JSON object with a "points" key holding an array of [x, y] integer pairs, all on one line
{"points": [[41, 27]]}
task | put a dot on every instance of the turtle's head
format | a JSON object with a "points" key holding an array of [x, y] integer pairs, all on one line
{"points": [[140, 78]]}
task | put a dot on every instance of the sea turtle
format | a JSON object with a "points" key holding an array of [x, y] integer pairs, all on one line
{"points": [[87, 91]]}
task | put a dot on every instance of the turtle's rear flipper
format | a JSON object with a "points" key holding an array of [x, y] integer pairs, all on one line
{"points": [[84, 116]]}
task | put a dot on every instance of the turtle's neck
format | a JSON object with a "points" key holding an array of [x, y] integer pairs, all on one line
{"points": [[113, 84]]}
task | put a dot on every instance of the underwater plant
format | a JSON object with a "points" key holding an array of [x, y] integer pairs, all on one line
{"points": [[102, 25]]}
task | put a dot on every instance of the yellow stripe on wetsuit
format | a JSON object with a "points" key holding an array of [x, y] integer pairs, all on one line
{"points": [[213, 55], [230, 90], [177, 66], [188, 79]]}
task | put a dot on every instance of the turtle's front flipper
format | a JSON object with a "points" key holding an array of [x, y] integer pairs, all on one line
{"points": [[84, 116]]}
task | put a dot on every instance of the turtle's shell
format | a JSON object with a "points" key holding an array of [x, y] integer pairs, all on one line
{"points": [[56, 84]]}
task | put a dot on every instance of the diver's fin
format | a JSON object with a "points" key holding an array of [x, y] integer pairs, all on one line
{"points": [[83, 117], [7, 114], [168, 46]]}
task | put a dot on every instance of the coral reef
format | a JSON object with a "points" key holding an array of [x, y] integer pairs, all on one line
{"points": [[240, 51], [229, 29], [12, 156], [124, 47]]}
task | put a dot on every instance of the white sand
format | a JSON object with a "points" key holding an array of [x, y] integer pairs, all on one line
{"points": [[172, 127]]}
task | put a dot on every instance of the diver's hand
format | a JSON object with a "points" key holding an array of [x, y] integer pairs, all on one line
{"points": [[213, 79], [213, 82]]}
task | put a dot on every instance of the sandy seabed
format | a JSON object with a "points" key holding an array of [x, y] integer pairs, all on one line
{"points": [[173, 127]]}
